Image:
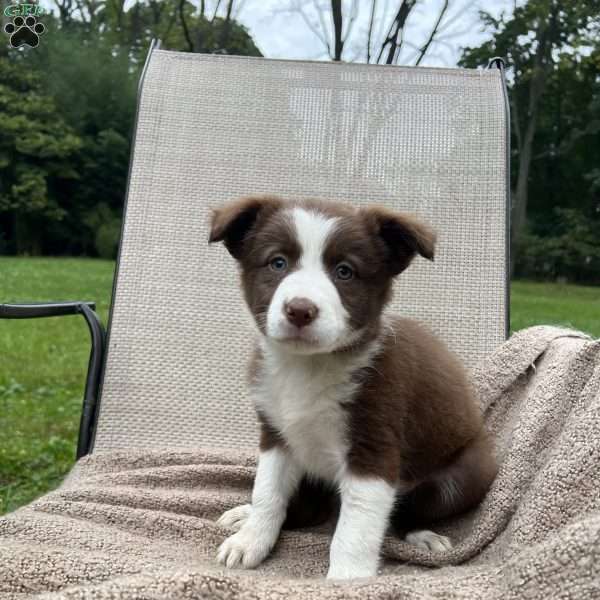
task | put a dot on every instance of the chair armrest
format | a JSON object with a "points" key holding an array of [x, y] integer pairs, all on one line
{"points": [[95, 365], [42, 309]]}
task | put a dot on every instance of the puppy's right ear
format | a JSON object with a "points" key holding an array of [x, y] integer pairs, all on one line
{"points": [[232, 223]]}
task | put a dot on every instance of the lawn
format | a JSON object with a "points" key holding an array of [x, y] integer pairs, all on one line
{"points": [[43, 362], [572, 306]]}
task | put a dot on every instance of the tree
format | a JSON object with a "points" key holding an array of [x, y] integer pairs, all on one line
{"points": [[65, 139], [387, 33], [541, 41], [210, 33], [179, 24], [96, 90], [567, 144], [36, 152]]}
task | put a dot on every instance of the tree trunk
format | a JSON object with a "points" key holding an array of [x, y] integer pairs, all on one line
{"points": [[433, 33], [395, 34], [28, 238], [542, 64], [338, 48], [520, 196], [371, 23], [184, 26], [226, 26]]}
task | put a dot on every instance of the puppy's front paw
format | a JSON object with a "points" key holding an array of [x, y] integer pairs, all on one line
{"points": [[428, 540], [350, 570], [246, 549], [235, 518]]}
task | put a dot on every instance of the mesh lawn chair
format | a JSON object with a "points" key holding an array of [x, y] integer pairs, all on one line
{"points": [[211, 128], [430, 141]]}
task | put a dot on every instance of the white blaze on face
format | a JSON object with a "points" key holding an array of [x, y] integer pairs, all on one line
{"points": [[311, 281]]}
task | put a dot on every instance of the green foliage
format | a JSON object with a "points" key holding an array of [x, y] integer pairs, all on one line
{"points": [[97, 84], [91, 78], [570, 253], [567, 146], [37, 148], [179, 26], [68, 108], [107, 225], [208, 36], [570, 27], [565, 153]]}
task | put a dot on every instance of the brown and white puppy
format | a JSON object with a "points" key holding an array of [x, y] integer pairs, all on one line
{"points": [[374, 406]]}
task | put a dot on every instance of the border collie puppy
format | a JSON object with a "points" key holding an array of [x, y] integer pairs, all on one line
{"points": [[373, 406]]}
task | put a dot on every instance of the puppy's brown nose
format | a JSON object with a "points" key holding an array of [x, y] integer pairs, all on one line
{"points": [[300, 311]]}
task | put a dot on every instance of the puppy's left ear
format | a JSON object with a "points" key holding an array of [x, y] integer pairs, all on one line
{"points": [[233, 222], [404, 236]]}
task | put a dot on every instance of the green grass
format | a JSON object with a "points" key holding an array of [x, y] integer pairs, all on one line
{"points": [[574, 306], [43, 362]]}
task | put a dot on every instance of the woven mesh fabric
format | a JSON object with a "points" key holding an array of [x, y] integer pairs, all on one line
{"points": [[213, 128]]}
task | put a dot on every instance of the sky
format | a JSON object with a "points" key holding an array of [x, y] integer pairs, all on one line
{"points": [[280, 30]]}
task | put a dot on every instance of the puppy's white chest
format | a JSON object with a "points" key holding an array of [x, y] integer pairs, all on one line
{"points": [[304, 402]]}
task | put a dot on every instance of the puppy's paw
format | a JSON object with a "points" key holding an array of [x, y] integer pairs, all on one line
{"points": [[235, 518], [245, 549], [428, 540], [350, 570]]}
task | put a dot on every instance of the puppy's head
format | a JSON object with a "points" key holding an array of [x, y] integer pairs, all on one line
{"points": [[317, 276]]}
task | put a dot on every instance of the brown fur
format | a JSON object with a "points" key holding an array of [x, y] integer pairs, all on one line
{"points": [[414, 421], [414, 409], [378, 243]]}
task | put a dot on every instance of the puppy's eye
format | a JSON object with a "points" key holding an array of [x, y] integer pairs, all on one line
{"points": [[344, 272], [278, 264]]}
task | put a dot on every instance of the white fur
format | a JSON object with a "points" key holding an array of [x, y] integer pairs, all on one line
{"points": [[235, 518], [310, 280], [366, 507], [277, 477], [301, 392], [428, 540], [303, 396]]}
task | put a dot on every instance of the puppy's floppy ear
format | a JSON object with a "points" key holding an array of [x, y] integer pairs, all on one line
{"points": [[232, 223], [404, 236]]}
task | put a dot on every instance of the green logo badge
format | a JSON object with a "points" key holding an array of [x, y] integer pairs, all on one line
{"points": [[25, 28]]}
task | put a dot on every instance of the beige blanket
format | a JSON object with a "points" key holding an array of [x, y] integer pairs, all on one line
{"points": [[142, 524]]}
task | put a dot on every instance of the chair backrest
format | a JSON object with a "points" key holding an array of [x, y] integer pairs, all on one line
{"points": [[213, 128]]}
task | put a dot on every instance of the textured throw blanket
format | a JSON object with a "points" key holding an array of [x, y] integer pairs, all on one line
{"points": [[142, 524]]}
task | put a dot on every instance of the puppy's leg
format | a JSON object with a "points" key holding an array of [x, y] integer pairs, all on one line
{"points": [[276, 479], [453, 490], [365, 511], [409, 517]]}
